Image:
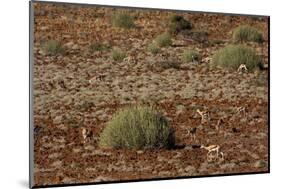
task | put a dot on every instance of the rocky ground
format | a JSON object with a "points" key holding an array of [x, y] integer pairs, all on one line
{"points": [[64, 100]]}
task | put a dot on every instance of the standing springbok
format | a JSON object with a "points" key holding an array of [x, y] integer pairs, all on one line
{"points": [[211, 149], [241, 109], [205, 115], [220, 124], [87, 135], [192, 133], [99, 77], [241, 68]]}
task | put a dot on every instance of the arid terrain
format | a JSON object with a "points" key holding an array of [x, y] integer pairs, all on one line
{"points": [[65, 100]]}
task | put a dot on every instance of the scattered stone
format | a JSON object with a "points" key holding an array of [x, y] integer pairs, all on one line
{"points": [[228, 166], [75, 47], [260, 164]]}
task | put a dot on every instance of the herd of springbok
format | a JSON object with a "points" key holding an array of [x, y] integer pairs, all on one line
{"points": [[214, 151]]}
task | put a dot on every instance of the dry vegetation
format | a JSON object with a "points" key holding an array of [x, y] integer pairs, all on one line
{"points": [[91, 64]]}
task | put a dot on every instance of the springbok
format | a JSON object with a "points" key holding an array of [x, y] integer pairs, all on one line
{"points": [[220, 124], [211, 149], [87, 134], [99, 77], [241, 68], [241, 109], [205, 115], [192, 133]]}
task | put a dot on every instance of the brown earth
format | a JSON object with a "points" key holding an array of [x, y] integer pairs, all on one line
{"points": [[64, 100]]}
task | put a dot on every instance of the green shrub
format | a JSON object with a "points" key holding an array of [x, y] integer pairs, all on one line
{"points": [[178, 23], [247, 33], [137, 127], [163, 40], [232, 56], [190, 55], [123, 20], [97, 47], [53, 47], [117, 54], [153, 48]]}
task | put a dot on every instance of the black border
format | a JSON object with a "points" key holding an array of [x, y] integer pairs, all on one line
{"points": [[31, 142]]}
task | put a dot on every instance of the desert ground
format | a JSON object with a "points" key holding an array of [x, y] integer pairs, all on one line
{"points": [[81, 88]]}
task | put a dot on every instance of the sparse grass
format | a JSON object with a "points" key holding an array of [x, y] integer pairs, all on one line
{"points": [[94, 47], [247, 33], [117, 54], [232, 56], [53, 47], [190, 55], [163, 40], [137, 127], [123, 20], [178, 23], [153, 48]]}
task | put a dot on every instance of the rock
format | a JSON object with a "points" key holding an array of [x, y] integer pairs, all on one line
{"points": [[228, 166], [190, 169], [180, 109], [256, 115], [261, 135], [260, 164], [58, 119], [54, 155], [75, 47], [101, 178], [254, 155], [140, 152], [57, 164], [69, 44]]}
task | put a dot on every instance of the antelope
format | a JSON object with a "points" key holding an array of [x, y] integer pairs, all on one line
{"points": [[205, 115], [220, 124], [241, 110], [194, 59], [87, 135], [130, 59], [241, 68], [192, 133], [99, 77], [211, 149]]}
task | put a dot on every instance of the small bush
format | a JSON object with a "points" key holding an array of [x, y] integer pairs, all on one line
{"points": [[117, 54], [232, 56], [178, 23], [137, 127], [190, 55], [153, 48], [123, 20], [53, 47], [163, 40], [97, 47], [247, 33]]}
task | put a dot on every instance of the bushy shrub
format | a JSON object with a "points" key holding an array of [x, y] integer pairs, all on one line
{"points": [[53, 47], [178, 23], [137, 127], [163, 40], [153, 48], [117, 54], [190, 55], [123, 20], [232, 56], [247, 33]]}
